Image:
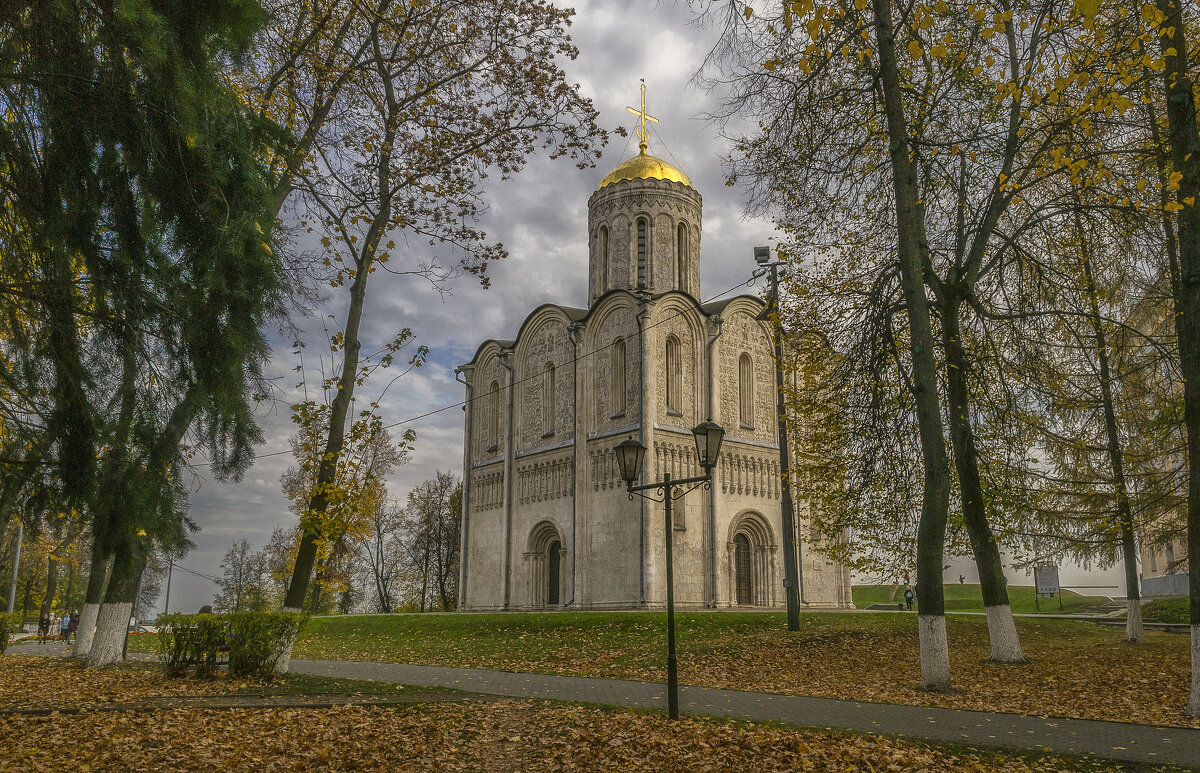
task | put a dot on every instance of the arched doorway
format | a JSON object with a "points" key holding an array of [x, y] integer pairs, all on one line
{"points": [[741, 570], [751, 567], [553, 566], [543, 566]]}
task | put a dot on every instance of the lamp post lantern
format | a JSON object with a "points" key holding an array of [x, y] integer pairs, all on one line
{"points": [[630, 455]]}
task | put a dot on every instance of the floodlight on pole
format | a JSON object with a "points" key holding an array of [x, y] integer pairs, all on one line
{"points": [[793, 577]]}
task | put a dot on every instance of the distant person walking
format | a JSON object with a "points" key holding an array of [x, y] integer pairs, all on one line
{"points": [[961, 579], [44, 628], [73, 627], [908, 598], [64, 626]]}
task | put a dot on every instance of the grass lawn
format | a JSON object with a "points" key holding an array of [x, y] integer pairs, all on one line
{"points": [[502, 735], [1169, 610], [967, 598], [1075, 669]]}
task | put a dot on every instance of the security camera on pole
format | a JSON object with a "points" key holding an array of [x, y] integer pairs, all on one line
{"points": [[792, 578]]}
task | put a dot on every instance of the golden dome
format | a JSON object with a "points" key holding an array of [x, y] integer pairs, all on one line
{"points": [[644, 167]]}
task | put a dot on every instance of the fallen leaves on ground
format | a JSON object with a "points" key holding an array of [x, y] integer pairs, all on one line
{"points": [[1076, 669], [500, 736], [37, 682]]}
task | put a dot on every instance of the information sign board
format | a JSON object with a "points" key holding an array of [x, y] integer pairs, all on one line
{"points": [[1046, 578]]}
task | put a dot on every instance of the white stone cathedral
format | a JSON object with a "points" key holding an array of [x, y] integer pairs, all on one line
{"points": [[547, 523]]}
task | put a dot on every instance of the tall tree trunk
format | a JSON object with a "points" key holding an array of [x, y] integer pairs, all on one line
{"points": [[306, 555], [1002, 631], [70, 584], [1185, 155], [51, 584], [112, 622], [1134, 631], [913, 249], [97, 577]]}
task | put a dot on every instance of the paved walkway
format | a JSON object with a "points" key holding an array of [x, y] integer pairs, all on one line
{"points": [[1110, 740]]}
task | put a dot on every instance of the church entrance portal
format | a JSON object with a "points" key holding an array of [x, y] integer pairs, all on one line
{"points": [[553, 565], [543, 566], [741, 559], [752, 572]]}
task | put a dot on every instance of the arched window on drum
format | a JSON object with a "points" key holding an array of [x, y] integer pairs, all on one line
{"points": [[681, 257], [643, 248]]}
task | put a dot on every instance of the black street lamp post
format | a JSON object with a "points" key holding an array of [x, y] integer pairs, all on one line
{"points": [[630, 454]]}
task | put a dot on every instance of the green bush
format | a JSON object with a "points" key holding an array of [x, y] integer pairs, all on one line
{"points": [[250, 642], [259, 639], [187, 641], [9, 624]]}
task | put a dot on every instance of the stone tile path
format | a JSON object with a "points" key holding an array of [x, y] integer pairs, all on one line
{"points": [[1109, 740]]}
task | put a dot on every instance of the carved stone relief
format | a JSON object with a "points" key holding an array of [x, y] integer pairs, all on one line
{"points": [[544, 480], [487, 490], [548, 343], [675, 324], [749, 473], [619, 324], [488, 410], [743, 334]]}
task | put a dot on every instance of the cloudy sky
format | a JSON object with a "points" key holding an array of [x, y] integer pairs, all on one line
{"points": [[541, 217]]}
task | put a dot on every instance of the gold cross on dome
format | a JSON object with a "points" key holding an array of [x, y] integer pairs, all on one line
{"points": [[643, 116]]}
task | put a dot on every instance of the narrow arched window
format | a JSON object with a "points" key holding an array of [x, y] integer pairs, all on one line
{"points": [[681, 257], [674, 376], [493, 426], [602, 254], [746, 390], [548, 399], [618, 377], [643, 237]]}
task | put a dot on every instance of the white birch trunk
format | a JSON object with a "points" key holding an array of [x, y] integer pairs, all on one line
{"points": [[87, 629], [108, 645], [1002, 633], [1193, 708], [1134, 632], [935, 653], [285, 657]]}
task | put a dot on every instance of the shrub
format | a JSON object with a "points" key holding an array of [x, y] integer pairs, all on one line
{"points": [[259, 639], [9, 624], [192, 640], [251, 642]]}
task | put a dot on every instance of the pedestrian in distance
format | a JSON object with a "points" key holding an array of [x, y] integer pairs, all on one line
{"points": [[908, 598], [73, 626], [961, 579], [44, 628], [64, 624]]}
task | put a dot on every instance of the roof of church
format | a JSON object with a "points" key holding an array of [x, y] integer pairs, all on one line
{"points": [[576, 314], [643, 166]]}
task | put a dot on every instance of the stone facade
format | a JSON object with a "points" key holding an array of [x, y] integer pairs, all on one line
{"points": [[547, 522]]}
